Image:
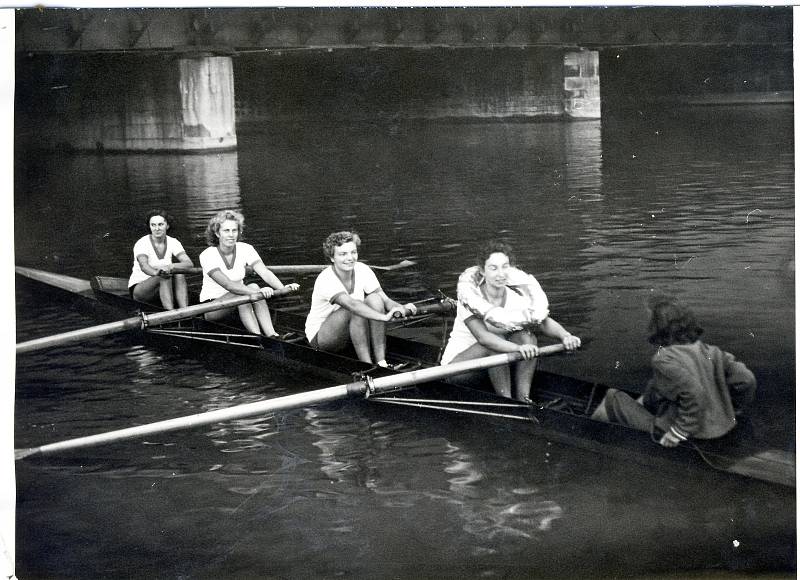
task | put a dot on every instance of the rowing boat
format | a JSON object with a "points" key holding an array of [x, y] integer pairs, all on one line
{"points": [[561, 410]]}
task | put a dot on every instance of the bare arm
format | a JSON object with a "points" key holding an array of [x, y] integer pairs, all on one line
{"points": [[360, 308], [184, 263], [228, 284], [495, 342], [269, 277], [393, 306], [553, 329], [144, 264]]}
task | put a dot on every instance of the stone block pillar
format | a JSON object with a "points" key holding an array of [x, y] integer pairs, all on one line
{"points": [[582, 84]]}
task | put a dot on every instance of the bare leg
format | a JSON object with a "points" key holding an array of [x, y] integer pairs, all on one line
{"points": [[181, 290], [500, 376], [218, 315], [501, 380], [260, 312], [264, 318], [147, 290], [377, 328], [524, 369], [342, 328], [359, 335], [248, 318], [245, 311], [165, 293]]}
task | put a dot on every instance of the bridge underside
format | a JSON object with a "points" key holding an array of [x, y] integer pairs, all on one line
{"points": [[163, 79], [247, 29]]}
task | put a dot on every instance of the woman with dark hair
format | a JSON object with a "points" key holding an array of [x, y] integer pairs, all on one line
{"points": [[155, 270], [348, 305], [225, 264], [487, 295], [697, 390]]}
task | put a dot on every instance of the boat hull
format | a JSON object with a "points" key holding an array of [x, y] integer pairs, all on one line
{"points": [[561, 411]]}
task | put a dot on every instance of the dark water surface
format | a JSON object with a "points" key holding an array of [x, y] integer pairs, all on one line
{"points": [[695, 202]]}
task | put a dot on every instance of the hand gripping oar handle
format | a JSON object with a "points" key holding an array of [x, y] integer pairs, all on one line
{"points": [[140, 322], [366, 387]]}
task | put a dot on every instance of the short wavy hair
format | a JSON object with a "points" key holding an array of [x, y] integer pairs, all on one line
{"points": [[161, 213], [212, 229], [494, 247], [671, 322], [338, 239]]}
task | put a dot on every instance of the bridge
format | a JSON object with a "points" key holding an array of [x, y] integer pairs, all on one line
{"points": [[163, 79]]}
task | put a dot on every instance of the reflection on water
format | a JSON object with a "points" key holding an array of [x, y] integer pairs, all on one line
{"points": [[516, 513], [698, 203], [212, 183], [454, 480]]}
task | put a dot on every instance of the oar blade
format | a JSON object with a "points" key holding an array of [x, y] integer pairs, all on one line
{"points": [[400, 265], [25, 452]]}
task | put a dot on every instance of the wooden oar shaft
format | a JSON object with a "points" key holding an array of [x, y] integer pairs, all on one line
{"points": [[139, 322], [373, 386], [312, 268], [441, 372], [279, 269], [200, 419], [190, 311]]}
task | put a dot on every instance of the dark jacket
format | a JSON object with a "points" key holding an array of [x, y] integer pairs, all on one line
{"points": [[697, 390]]}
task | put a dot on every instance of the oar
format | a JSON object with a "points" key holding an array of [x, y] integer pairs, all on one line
{"points": [[367, 387], [443, 306], [314, 268], [401, 264], [139, 322]]}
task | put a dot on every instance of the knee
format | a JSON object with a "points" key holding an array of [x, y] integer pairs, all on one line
{"points": [[614, 395], [616, 400], [253, 287]]}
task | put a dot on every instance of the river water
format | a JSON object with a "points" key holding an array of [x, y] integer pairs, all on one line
{"points": [[696, 202]]}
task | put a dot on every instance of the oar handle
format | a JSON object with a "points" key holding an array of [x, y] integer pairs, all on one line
{"points": [[444, 306]]}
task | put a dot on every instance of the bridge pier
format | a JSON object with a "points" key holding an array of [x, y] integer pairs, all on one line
{"points": [[582, 84], [208, 118], [132, 104]]}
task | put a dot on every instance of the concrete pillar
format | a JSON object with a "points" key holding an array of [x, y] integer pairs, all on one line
{"points": [[185, 104], [207, 119], [582, 84], [129, 103]]}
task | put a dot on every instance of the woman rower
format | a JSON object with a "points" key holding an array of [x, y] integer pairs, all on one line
{"points": [[225, 264], [487, 294], [155, 272], [348, 305]]}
